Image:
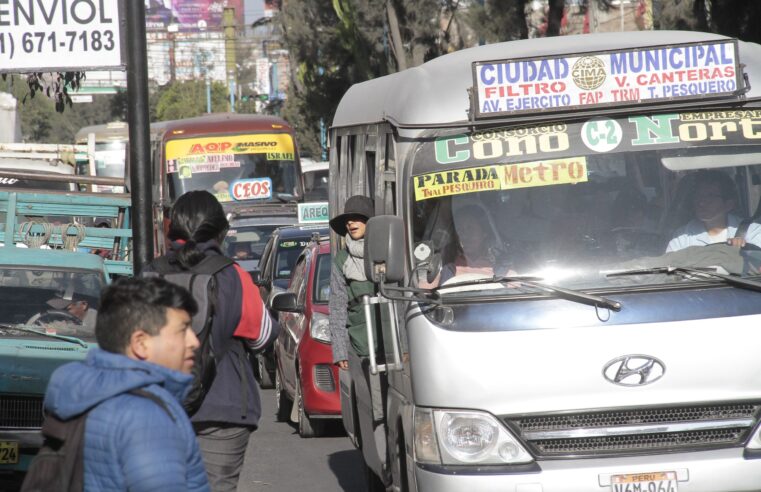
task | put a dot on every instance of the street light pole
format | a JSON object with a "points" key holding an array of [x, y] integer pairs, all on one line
{"points": [[139, 137]]}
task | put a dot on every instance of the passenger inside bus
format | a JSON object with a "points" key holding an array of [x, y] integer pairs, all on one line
{"points": [[474, 250], [713, 200]]}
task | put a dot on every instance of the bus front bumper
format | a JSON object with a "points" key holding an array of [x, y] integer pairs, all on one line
{"points": [[726, 470]]}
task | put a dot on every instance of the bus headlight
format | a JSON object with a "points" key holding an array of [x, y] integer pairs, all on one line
{"points": [[465, 438], [320, 328]]}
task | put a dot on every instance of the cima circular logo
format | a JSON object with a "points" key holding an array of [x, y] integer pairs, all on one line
{"points": [[588, 73]]}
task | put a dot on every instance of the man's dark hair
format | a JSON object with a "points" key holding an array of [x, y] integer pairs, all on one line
{"points": [[137, 303], [722, 179]]}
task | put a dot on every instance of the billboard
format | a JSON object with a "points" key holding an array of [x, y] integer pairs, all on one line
{"points": [[190, 15]]}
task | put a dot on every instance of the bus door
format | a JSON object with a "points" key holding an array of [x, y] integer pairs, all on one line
{"points": [[364, 164]]}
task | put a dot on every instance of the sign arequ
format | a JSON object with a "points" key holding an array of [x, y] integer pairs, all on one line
{"points": [[60, 35], [607, 78], [313, 212]]}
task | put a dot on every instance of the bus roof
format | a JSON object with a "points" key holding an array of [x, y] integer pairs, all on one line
{"points": [[222, 123], [116, 130], [436, 93]]}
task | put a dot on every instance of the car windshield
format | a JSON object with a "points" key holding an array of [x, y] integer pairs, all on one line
{"points": [[53, 301], [571, 203], [247, 242], [321, 286], [288, 251], [235, 167]]}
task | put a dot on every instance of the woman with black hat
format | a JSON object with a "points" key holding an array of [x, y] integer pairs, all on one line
{"points": [[348, 282]]}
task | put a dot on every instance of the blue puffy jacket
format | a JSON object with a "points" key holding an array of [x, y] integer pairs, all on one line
{"points": [[131, 443]]}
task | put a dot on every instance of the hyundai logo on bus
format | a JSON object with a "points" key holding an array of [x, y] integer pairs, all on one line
{"points": [[313, 212], [634, 370]]}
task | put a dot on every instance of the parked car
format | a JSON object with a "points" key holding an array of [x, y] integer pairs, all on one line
{"points": [[272, 276], [306, 380]]}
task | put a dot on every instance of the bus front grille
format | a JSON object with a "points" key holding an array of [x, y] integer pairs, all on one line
{"points": [[20, 411], [638, 430]]}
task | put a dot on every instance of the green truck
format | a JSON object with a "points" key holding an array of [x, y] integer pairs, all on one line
{"points": [[58, 250]]}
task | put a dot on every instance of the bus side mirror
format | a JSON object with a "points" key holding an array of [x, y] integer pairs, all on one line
{"points": [[384, 248]]}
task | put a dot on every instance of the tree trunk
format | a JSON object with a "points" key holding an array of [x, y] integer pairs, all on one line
{"points": [[397, 46], [554, 17]]}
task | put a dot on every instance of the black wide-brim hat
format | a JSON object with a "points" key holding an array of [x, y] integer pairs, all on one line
{"points": [[356, 205]]}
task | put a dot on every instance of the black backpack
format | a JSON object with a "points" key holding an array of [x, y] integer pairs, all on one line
{"points": [[201, 283], [59, 465]]}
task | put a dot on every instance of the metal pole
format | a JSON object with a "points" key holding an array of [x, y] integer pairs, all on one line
{"points": [[208, 93], [139, 136]]}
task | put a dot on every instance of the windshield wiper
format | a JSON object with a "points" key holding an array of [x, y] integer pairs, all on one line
{"points": [[567, 294], [23, 329], [702, 271]]}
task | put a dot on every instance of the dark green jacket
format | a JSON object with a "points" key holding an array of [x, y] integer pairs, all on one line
{"points": [[355, 319]]}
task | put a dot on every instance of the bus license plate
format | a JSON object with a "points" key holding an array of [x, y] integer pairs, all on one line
{"points": [[644, 482], [8, 453]]}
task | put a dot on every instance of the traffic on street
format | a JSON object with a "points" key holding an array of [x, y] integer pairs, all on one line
{"points": [[400, 246]]}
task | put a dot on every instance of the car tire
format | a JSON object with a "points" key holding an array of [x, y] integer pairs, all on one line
{"points": [[282, 403], [308, 427], [265, 376]]}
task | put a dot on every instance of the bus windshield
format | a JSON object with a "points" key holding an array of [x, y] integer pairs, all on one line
{"points": [[587, 204], [110, 153], [235, 168], [109, 158]]}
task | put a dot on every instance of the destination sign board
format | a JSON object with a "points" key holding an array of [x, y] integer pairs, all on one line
{"points": [[52, 36], [604, 79]]}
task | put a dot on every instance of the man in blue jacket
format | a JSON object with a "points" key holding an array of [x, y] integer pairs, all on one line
{"points": [[146, 343]]}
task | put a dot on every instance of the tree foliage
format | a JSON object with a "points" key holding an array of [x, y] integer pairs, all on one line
{"points": [[336, 43], [55, 86], [498, 20], [42, 123], [188, 99]]}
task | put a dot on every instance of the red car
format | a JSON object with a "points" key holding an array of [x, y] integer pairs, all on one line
{"points": [[306, 380]]}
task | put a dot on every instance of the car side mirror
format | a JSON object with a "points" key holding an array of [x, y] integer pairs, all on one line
{"points": [[384, 248], [256, 276], [285, 302]]}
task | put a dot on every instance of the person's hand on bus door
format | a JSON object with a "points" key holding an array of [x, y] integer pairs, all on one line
{"points": [[343, 364]]}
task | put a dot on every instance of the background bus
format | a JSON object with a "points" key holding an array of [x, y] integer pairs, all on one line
{"points": [[315, 179], [241, 159], [109, 147], [249, 162]]}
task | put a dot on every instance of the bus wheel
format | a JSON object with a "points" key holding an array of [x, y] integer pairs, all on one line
{"points": [[282, 403], [399, 465], [372, 481]]}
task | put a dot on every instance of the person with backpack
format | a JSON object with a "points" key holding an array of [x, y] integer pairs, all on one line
{"points": [[224, 403], [114, 422]]}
